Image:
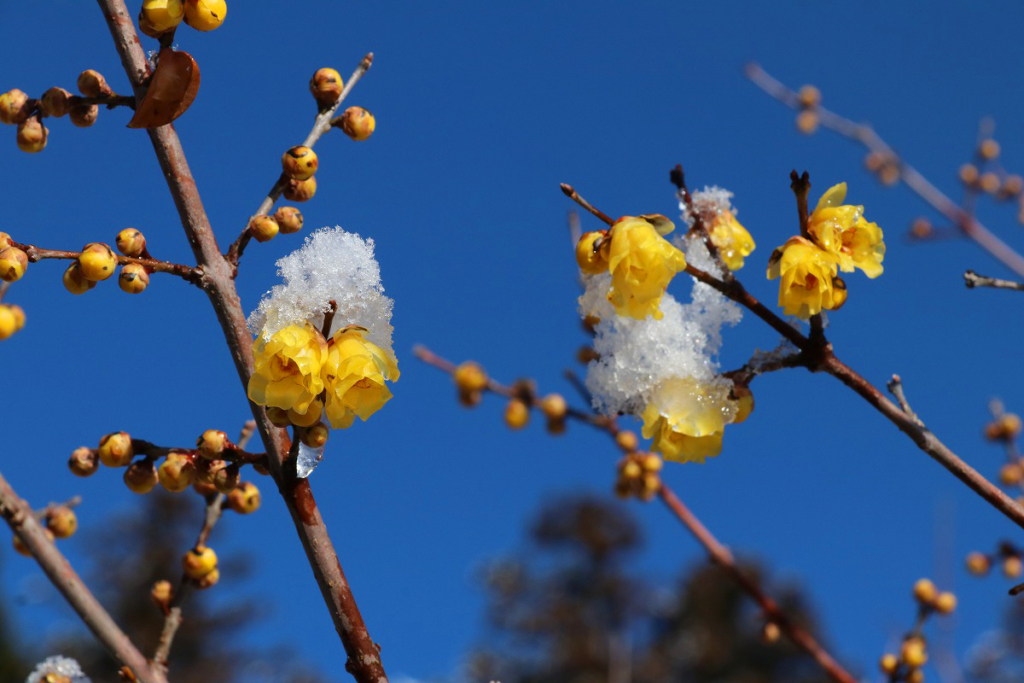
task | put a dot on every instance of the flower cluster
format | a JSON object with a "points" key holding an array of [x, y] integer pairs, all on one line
{"points": [[164, 16], [913, 655], [838, 238], [712, 206], [57, 669]]}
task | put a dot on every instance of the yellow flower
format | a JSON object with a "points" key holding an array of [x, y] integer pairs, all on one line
{"points": [[841, 230], [807, 274], [288, 365], [642, 263], [732, 239], [686, 419], [354, 375]]}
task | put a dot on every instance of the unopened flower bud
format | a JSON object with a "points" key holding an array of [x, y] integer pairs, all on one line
{"points": [[62, 521], [92, 84], [1011, 474], [163, 15], [889, 663], [770, 633], [206, 470], [32, 135], [97, 261], [8, 322], [289, 219], [205, 15], [176, 473], [204, 489], [925, 591], [1012, 567], [84, 115], [989, 182], [141, 476], [914, 676], [357, 123], [83, 462], [945, 603], [133, 278], [326, 86], [315, 436], [921, 228], [75, 282], [278, 417], [299, 162], [300, 190], [13, 262], [517, 414], [968, 174], [913, 653], [199, 562], [19, 316], [652, 462], [263, 228], [14, 107], [162, 593], [988, 149], [1012, 186], [809, 96], [147, 28], [5, 240], [208, 581], [807, 121], [131, 242], [631, 469], [588, 257], [245, 499], [226, 478], [470, 377], [553, 406], [978, 564], [55, 102], [627, 440], [212, 443], [116, 449]]}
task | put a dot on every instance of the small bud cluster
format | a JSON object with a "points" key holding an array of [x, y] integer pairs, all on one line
{"points": [[913, 655], [27, 113], [985, 175], [1007, 555], [807, 118], [471, 381], [885, 166], [639, 473], [160, 17]]}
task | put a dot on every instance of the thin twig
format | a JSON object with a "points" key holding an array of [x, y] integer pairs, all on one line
{"points": [[721, 556], [363, 654], [332, 308], [321, 125], [972, 280], [192, 275], [232, 452], [678, 178], [572, 194], [18, 515], [895, 387], [866, 136]]}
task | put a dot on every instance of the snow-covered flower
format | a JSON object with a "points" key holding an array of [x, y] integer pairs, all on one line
{"points": [[58, 665]]}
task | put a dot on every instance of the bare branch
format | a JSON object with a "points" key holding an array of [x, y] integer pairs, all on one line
{"points": [[192, 275], [972, 280]]}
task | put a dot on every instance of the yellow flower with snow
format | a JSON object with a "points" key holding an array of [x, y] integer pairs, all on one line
{"points": [[808, 278], [732, 239], [841, 230], [355, 375], [642, 263], [686, 419], [288, 367]]}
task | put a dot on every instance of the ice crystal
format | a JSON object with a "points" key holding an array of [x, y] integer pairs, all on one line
{"points": [[62, 666], [307, 460], [709, 202], [331, 265]]}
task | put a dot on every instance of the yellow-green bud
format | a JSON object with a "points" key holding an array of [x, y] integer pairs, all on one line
{"points": [[14, 107], [133, 278], [357, 123], [131, 242], [13, 262], [315, 436], [32, 135], [141, 476], [116, 449], [300, 190], [245, 499], [199, 562], [92, 84], [289, 219], [263, 228], [75, 282], [84, 115], [62, 521], [326, 86], [83, 462], [97, 261], [299, 162]]}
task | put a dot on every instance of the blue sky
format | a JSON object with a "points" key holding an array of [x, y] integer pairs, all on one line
{"points": [[482, 109]]}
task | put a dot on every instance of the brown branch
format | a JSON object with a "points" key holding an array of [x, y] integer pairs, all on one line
{"points": [[866, 136], [571, 193], [721, 556], [24, 524], [363, 654], [972, 280], [232, 452], [192, 275], [321, 125]]}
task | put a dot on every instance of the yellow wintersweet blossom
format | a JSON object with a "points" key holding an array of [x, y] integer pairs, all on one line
{"points": [[354, 374], [732, 239], [808, 278], [686, 419], [841, 230], [287, 368], [642, 263]]}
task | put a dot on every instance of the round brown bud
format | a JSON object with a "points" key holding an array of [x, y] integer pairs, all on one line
{"points": [[133, 278], [55, 102], [299, 162], [83, 462], [874, 161], [470, 377], [92, 84], [141, 476], [226, 478], [968, 174], [945, 603], [212, 443], [84, 115], [807, 121], [889, 663], [770, 633], [116, 449], [177, 472], [1012, 567], [32, 135], [289, 219], [357, 123], [585, 354], [978, 564], [913, 653], [988, 149], [315, 436], [206, 470], [245, 498], [131, 242], [13, 262], [1011, 474], [14, 107], [75, 282], [553, 406], [62, 521], [809, 96], [989, 182], [889, 174], [300, 190], [921, 228], [263, 228], [1012, 186], [326, 86]]}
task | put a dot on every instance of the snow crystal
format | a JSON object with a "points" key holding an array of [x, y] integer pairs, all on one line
{"points": [[331, 265], [637, 355], [709, 202], [62, 666], [307, 460]]}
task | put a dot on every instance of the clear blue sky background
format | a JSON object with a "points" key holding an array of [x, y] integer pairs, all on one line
{"points": [[482, 109]]}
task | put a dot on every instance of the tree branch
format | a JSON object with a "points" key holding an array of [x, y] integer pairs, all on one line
{"points": [[24, 524], [972, 280], [192, 275], [363, 654]]}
